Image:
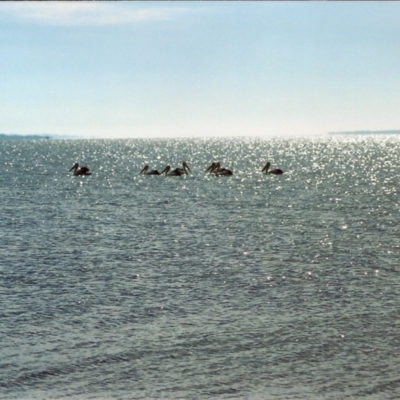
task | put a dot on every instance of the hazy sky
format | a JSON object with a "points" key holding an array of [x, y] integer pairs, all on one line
{"points": [[156, 69]]}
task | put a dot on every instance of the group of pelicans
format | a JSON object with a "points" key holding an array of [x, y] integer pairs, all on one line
{"points": [[214, 169]]}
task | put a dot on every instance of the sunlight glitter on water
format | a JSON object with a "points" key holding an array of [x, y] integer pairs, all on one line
{"points": [[200, 286]]}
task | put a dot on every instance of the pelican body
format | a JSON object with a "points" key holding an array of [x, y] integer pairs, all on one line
{"points": [[215, 169], [177, 171], [83, 171], [276, 171], [145, 171]]}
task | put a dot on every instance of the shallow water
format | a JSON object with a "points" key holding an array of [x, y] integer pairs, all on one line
{"points": [[124, 286]]}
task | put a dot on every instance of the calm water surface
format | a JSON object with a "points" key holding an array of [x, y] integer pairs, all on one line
{"points": [[123, 286]]}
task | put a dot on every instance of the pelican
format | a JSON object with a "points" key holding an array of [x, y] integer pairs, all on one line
{"points": [[276, 171], [185, 168], [177, 171], [80, 171], [145, 171], [215, 168]]}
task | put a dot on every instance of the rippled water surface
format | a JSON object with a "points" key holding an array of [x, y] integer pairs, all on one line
{"points": [[124, 286]]}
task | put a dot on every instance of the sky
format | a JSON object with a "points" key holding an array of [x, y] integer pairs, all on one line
{"points": [[190, 69]]}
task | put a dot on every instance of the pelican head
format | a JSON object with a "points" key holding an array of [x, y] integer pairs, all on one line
{"points": [[186, 167], [165, 170], [144, 170], [74, 167], [266, 167], [211, 167], [216, 169]]}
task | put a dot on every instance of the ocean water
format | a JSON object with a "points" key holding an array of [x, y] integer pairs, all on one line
{"points": [[124, 286]]}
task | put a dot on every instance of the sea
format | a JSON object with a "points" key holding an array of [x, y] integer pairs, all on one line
{"points": [[120, 286]]}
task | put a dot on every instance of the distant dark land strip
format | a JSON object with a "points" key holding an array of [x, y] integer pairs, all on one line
{"points": [[390, 132]]}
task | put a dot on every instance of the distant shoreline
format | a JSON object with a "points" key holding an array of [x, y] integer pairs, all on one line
{"points": [[4, 136], [390, 132]]}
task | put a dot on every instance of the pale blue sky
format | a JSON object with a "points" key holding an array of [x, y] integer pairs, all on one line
{"points": [[158, 69]]}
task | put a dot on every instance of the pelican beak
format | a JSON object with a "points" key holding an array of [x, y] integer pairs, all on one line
{"points": [[165, 170], [216, 167], [211, 167], [187, 166], [144, 169], [73, 167]]}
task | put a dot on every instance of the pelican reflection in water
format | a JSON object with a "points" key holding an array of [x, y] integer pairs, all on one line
{"points": [[276, 171], [145, 171], [177, 171], [215, 169], [80, 171]]}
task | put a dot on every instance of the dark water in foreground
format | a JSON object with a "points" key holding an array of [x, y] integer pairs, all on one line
{"points": [[120, 286]]}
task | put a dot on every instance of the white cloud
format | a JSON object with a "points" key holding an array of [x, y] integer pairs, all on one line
{"points": [[87, 13]]}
